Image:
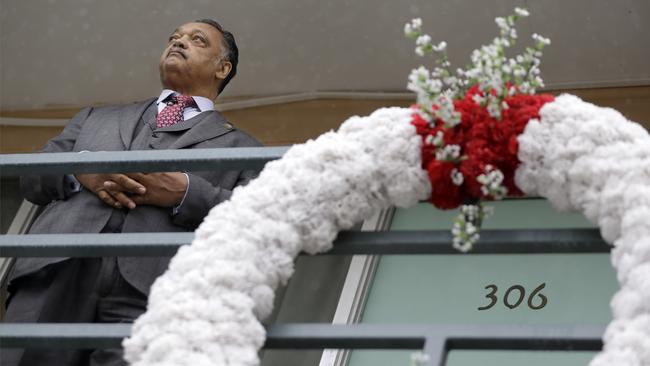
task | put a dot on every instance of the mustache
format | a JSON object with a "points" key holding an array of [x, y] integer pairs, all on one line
{"points": [[177, 50]]}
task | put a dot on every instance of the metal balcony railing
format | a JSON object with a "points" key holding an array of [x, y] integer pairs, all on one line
{"points": [[434, 340]]}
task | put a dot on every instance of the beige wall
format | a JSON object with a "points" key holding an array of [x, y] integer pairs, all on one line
{"points": [[288, 123]]}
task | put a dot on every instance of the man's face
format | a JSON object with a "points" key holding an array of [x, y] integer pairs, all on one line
{"points": [[192, 57]]}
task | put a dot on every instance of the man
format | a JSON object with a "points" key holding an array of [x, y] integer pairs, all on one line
{"points": [[196, 65]]}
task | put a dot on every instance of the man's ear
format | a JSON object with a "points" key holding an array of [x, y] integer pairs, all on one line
{"points": [[223, 70]]}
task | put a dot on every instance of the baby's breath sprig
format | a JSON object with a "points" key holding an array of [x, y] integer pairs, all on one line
{"points": [[496, 75], [467, 225], [413, 29], [492, 183], [438, 87]]}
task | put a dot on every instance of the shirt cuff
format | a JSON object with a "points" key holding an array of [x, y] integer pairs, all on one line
{"points": [[71, 184], [176, 208]]}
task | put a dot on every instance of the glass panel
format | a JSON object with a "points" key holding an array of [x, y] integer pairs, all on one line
{"points": [[466, 358], [508, 214], [518, 358], [307, 298], [10, 200], [450, 289]]}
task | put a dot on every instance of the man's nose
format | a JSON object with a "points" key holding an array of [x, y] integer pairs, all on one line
{"points": [[180, 42]]}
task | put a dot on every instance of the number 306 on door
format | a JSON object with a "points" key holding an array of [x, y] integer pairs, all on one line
{"points": [[515, 295]]}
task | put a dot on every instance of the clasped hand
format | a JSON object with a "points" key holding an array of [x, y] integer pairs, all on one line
{"points": [[133, 189]]}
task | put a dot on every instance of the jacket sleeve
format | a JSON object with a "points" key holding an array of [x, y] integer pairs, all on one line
{"points": [[202, 194], [42, 189]]}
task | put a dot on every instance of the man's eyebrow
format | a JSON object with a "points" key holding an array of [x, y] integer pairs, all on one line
{"points": [[202, 33]]}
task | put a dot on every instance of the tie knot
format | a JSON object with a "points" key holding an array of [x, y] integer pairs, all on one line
{"points": [[183, 100], [173, 112]]}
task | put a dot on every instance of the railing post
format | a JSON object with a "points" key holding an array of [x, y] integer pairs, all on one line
{"points": [[435, 350]]}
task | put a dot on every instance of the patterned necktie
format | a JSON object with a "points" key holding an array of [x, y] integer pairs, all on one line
{"points": [[173, 112]]}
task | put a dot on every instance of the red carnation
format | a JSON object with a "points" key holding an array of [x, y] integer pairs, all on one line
{"points": [[421, 125], [513, 145], [483, 141], [454, 136], [472, 168], [444, 193]]}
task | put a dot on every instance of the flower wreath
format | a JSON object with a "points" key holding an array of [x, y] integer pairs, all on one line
{"points": [[479, 136]]}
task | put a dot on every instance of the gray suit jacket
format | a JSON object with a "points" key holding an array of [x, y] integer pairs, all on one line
{"points": [[112, 129]]}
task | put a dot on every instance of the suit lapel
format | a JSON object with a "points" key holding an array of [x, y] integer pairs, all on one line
{"points": [[129, 118], [204, 126]]}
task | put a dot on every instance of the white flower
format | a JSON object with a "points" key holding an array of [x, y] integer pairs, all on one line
{"points": [[448, 153], [453, 120], [485, 190], [465, 231], [423, 40], [519, 71], [493, 110], [438, 139], [541, 40], [457, 177], [450, 80], [423, 45], [424, 112], [462, 241], [440, 47], [421, 73], [413, 28], [470, 211], [502, 23], [492, 183], [419, 80], [419, 358], [462, 246], [522, 12]]}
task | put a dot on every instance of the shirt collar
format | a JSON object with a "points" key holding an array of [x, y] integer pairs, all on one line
{"points": [[202, 103]]}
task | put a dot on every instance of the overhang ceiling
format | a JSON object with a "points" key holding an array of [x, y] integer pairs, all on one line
{"points": [[73, 53]]}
